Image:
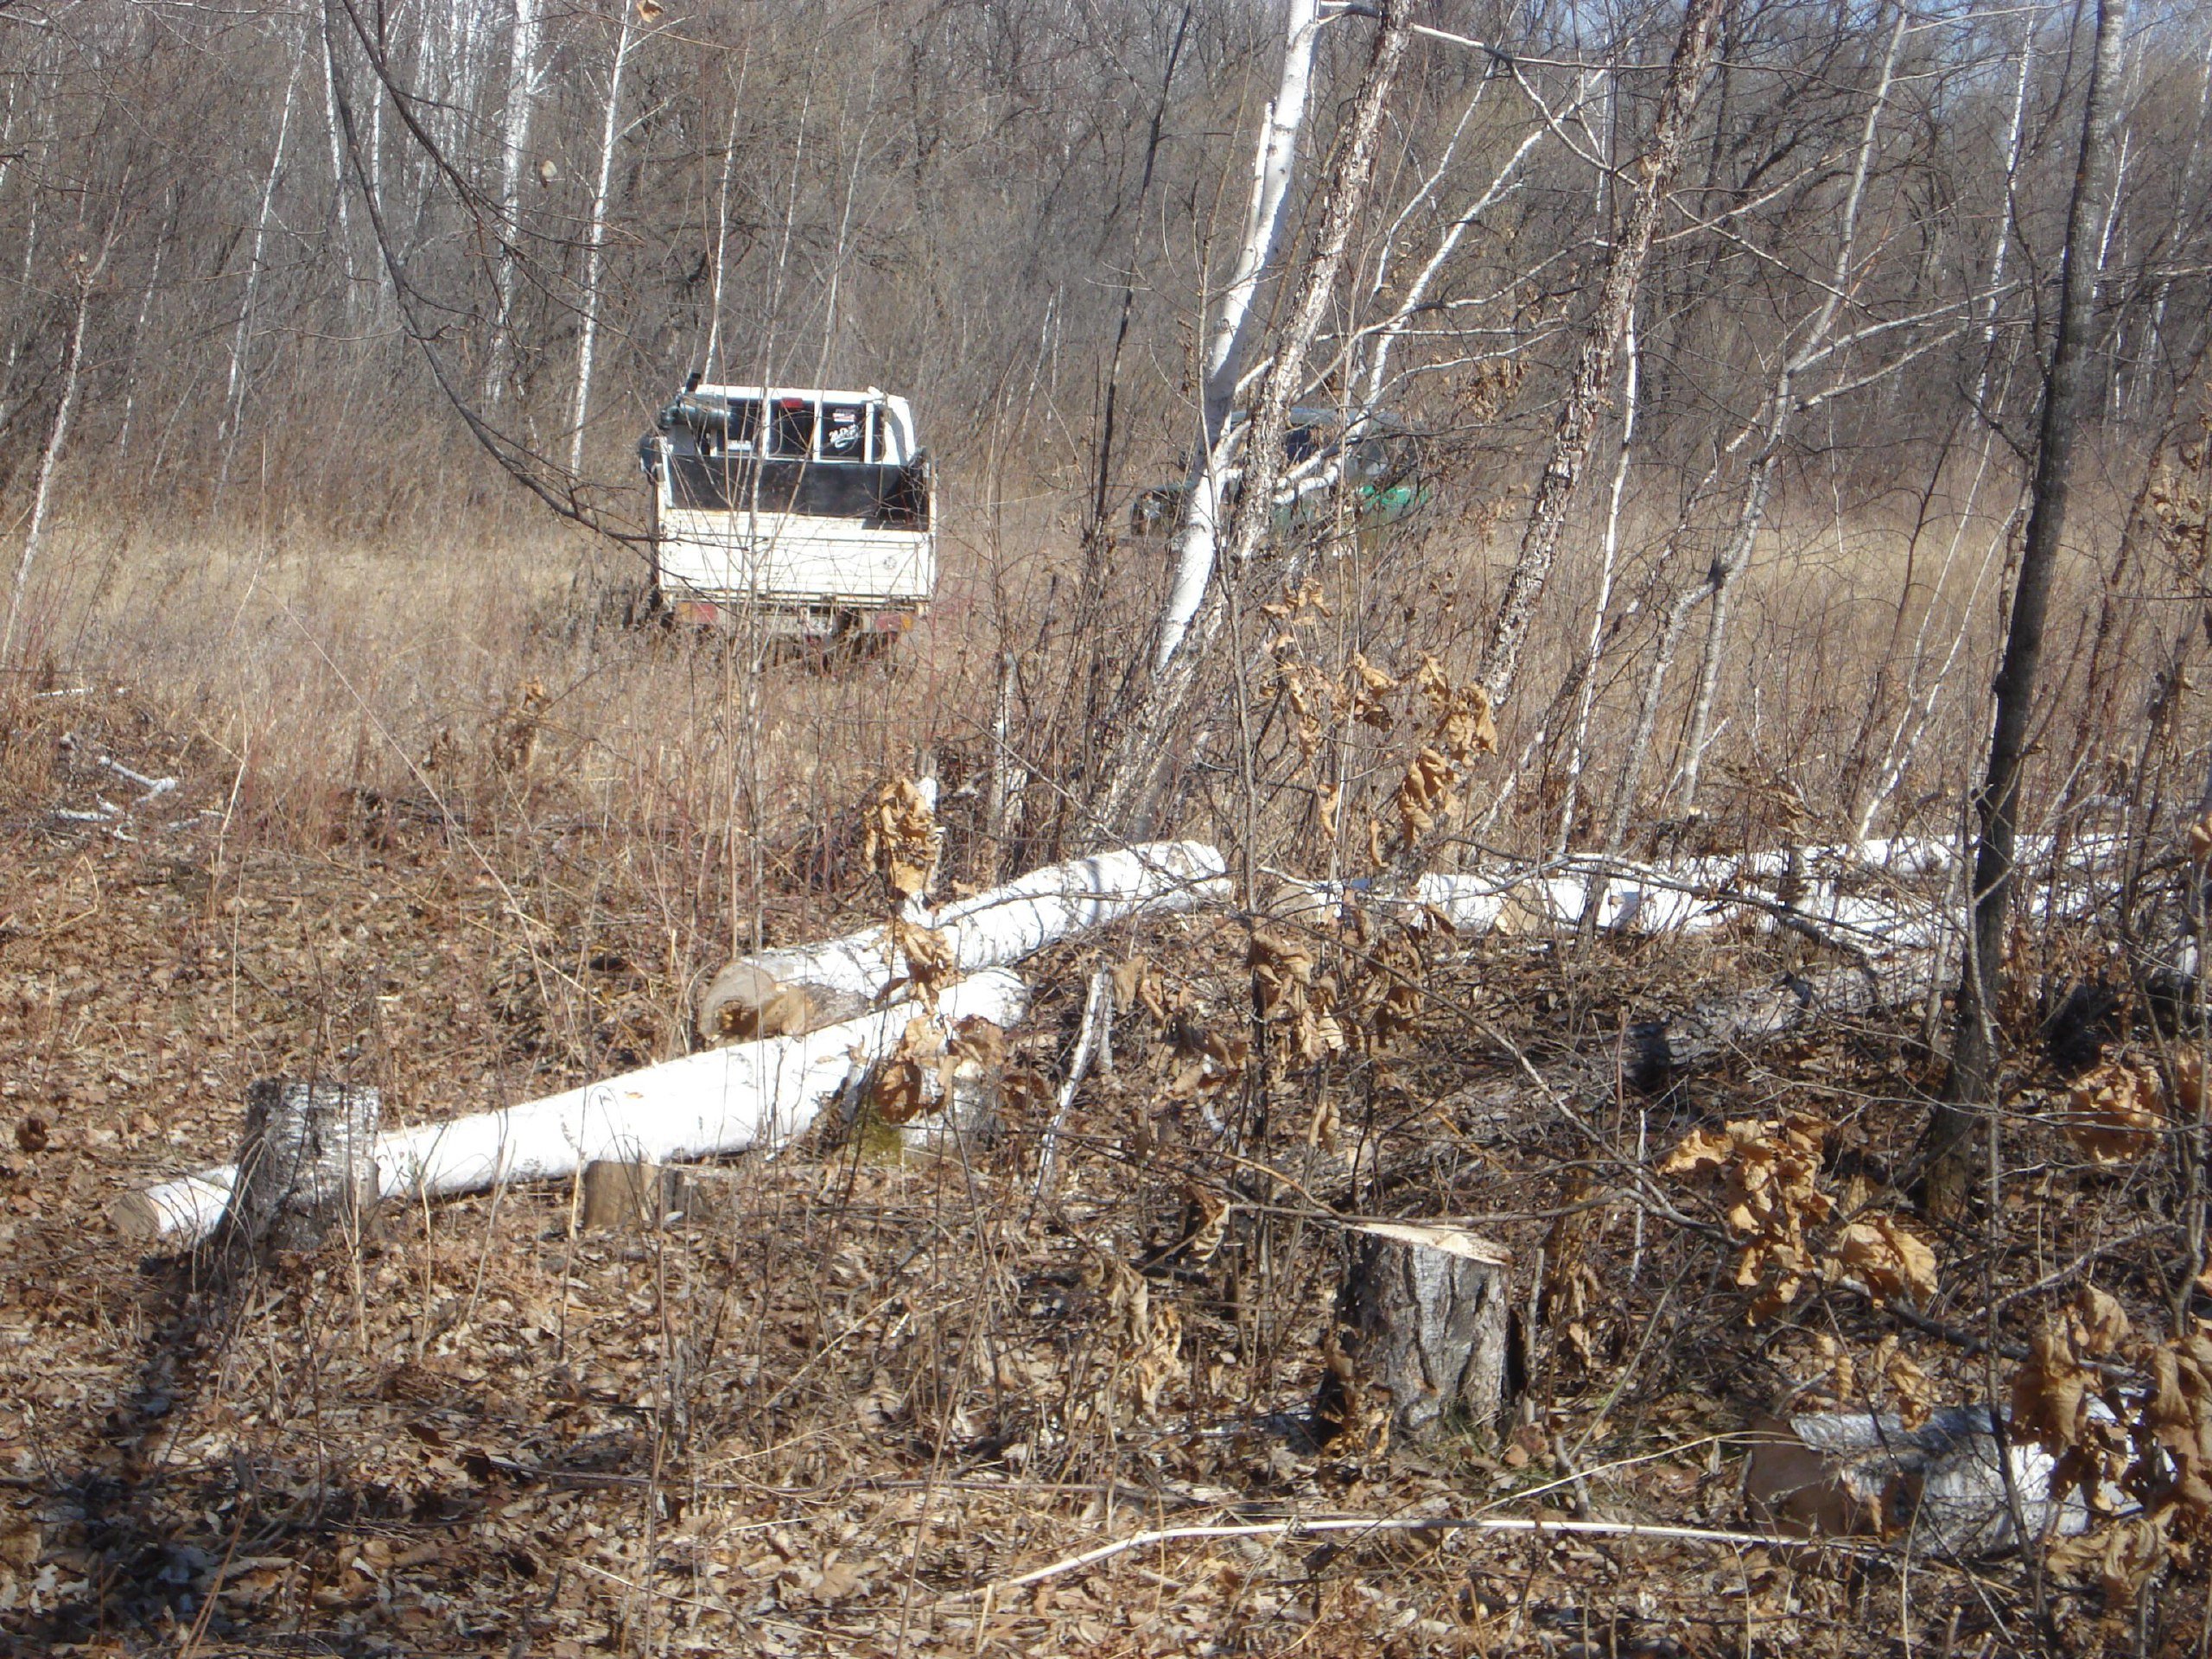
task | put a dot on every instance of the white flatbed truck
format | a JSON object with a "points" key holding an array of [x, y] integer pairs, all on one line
{"points": [[808, 514]]}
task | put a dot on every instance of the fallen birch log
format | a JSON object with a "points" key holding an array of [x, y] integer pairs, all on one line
{"points": [[1940, 1487], [804, 987], [1821, 887], [722, 1100]]}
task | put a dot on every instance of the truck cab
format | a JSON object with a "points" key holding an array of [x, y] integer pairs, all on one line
{"points": [[809, 512]]}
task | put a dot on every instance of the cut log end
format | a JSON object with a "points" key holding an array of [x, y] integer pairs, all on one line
{"points": [[137, 1217], [744, 1004], [1423, 1312]]}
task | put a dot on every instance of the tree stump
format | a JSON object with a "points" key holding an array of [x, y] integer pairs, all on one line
{"points": [[307, 1164], [644, 1198], [1423, 1315]]}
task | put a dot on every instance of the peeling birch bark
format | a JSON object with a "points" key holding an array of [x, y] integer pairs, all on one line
{"points": [[514, 150], [723, 1100], [595, 245], [1124, 801], [1230, 341]]}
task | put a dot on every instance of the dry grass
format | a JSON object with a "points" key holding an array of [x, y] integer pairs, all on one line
{"points": [[824, 1423]]}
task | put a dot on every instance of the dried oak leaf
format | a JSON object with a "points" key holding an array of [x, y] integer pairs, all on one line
{"points": [[1282, 970], [1425, 794], [978, 1041], [2099, 1323], [899, 1092], [1205, 1222], [1305, 690], [1367, 685], [2054, 1399], [1136, 985], [1917, 1395], [2121, 1558], [2116, 1112], [2200, 839], [2188, 1085], [902, 838], [930, 963], [1465, 725], [1308, 597], [2051, 1392], [1885, 1258], [1770, 1192], [2177, 1420]]}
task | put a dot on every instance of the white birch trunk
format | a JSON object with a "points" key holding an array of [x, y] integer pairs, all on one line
{"points": [[138, 337], [514, 152], [711, 363], [2009, 217], [1125, 801], [57, 435], [341, 208], [723, 1100], [242, 338], [595, 244], [988, 930], [1608, 555], [387, 291], [1229, 341]]}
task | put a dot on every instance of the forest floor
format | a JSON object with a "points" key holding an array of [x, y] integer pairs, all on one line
{"points": [[842, 1417]]}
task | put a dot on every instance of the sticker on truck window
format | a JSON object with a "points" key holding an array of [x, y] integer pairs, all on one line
{"points": [[842, 431]]}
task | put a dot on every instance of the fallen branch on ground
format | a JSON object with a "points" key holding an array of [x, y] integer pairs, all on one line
{"points": [[1294, 1527]]}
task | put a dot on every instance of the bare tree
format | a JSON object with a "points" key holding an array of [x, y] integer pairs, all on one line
{"points": [[1229, 338], [514, 152], [1123, 800], [88, 268], [595, 240], [1591, 382], [2067, 395]]}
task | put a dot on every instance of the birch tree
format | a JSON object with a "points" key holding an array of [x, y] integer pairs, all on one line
{"points": [[595, 236], [88, 268], [1230, 337], [514, 152], [242, 338], [1124, 802]]}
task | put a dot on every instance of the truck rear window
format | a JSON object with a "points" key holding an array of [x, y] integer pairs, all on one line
{"points": [[881, 497], [794, 427]]}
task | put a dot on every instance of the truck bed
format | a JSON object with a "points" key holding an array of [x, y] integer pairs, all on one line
{"points": [[772, 559]]}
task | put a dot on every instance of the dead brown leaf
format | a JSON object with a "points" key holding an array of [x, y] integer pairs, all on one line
{"points": [[2116, 1112], [901, 839]]}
